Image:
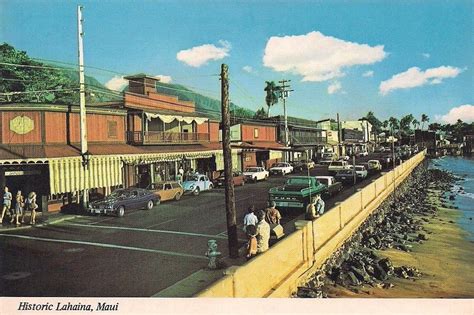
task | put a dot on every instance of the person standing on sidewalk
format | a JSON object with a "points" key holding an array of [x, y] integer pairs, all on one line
{"points": [[32, 205], [18, 208], [250, 218], [7, 202], [273, 216], [263, 233], [252, 242]]}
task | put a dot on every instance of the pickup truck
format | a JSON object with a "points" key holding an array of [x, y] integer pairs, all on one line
{"points": [[297, 192], [333, 187], [336, 166]]}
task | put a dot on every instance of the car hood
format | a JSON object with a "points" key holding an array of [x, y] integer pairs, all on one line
{"points": [[103, 202], [278, 168], [187, 185], [249, 173]]}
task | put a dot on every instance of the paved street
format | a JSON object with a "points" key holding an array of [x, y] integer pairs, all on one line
{"points": [[137, 255]]}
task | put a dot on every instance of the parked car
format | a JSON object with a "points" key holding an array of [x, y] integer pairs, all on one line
{"points": [[374, 165], [345, 176], [336, 166], [167, 190], [344, 158], [333, 186], [327, 158], [362, 153], [196, 183], [237, 177], [255, 173], [124, 199], [386, 160], [379, 149], [361, 172], [297, 192], [281, 168]]}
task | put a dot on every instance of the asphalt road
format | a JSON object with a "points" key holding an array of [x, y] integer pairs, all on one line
{"points": [[137, 255]]}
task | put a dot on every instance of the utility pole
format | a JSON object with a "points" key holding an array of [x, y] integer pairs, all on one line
{"points": [[284, 93], [339, 147], [82, 99], [229, 184]]}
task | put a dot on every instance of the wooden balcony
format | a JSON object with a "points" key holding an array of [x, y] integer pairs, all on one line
{"points": [[165, 137]]}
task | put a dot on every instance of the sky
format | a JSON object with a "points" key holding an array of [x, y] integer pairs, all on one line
{"points": [[348, 57]]}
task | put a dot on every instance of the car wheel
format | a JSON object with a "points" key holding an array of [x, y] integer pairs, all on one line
{"points": [[121, 211], [266, 177], [243, 183], [196, 191], [149, 205], [211, 186], [177, 197]]}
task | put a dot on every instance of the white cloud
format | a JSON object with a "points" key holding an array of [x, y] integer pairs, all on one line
{"points": [[414, 77], [317, 57], [334, 87], [463, 112], [200, 55], [426, 55], [117, 83], [164, 78], [368, 74], [248, 69]]}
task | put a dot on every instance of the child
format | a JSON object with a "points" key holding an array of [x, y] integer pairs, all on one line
{"points": [[252, 241]]}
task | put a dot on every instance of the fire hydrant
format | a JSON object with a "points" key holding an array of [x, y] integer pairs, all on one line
{"points": [[213, 254]]}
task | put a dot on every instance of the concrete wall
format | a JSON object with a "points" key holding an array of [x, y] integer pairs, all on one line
{"points": [[291, 261]]}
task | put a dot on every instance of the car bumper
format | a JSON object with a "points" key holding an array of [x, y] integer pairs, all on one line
{"points": [[100, 210]]}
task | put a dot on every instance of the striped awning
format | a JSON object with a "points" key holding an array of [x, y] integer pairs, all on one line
{"points": [[68, 174], [137, 159]]}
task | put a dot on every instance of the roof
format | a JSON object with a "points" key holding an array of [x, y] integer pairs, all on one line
{"points": [[102, 109], [262, 145], [141, 76], [27, 152]]}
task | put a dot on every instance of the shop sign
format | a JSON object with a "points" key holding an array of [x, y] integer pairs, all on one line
{"points": [[20, 173]]}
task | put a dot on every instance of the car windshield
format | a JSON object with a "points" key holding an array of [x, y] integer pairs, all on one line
{"points": [[251, 169], [192, 178], [372, 162], [279, 165], [120, 193], [337, 164], [324, 181], [345, 172], [360, 168], [298, 181]]}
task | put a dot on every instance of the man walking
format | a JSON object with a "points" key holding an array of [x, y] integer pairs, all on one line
{"points": [[250, 218]]}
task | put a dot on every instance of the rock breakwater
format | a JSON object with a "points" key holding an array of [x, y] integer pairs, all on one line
{"points": [[396, 224]]}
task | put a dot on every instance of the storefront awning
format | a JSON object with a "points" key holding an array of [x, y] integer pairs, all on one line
{"points": [[69, 175], [170, 118]]}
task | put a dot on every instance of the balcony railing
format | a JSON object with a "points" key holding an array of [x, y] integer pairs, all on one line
{"points": [[162, 137], [309, 140]]}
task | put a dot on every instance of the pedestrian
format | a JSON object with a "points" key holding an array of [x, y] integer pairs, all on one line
{"points": [[32, 206], [250, 218], [180, 174], [7, 202], [20, 203], [273, 216], [315, 208], [252, 241], [263, 233]]}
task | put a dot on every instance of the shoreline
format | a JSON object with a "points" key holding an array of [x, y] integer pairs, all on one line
{"points": [[445, 260]]}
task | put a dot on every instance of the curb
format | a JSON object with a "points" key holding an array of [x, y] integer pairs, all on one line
{"points": [[48, 222]]}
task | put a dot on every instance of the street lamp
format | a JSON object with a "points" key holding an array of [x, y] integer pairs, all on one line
{"points": [[86, 157]]}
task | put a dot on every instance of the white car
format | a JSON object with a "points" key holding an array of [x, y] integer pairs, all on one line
{"points": [[281, 168], [196, 183], [374, 165], [361, 171], [255, 173]]}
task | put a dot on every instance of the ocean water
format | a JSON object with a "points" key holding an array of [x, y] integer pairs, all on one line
{"points": [[462, 167]]}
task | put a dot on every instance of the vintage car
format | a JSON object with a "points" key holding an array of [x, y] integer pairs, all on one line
{"points": [[167, 190], [196, 183], [361, 172], [255, 173], [362, 153], [303, 165], [327, 158], [374, 165], [124, 199], [297, 192], [337, 166], [345, 176], [333, 186], [281, 168], [237, 177]]}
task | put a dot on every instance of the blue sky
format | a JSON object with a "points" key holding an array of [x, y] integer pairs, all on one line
{"points": [[391, 57]]}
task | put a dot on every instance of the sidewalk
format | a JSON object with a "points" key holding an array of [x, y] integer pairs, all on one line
{"points": [[40, 219]]}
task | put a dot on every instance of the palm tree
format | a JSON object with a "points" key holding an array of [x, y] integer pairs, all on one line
{"points": [[424, 118], [271, 98], [385, 124], [415, 123]]}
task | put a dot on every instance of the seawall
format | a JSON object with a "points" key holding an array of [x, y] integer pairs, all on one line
{"points": [[291, 261]]}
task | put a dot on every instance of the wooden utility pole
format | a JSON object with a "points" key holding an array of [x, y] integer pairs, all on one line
{"points": [[339, 146], [82, 100], [284, 93], [229, 184]]}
